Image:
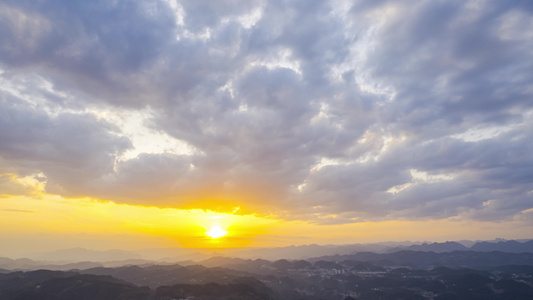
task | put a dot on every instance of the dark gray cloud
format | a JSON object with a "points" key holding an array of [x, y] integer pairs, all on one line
{"points": [[467, 65], [69, 149], [93, 47], [318, 110]]}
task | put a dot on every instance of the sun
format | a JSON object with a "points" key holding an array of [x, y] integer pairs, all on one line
{"points": [[216, 232]]}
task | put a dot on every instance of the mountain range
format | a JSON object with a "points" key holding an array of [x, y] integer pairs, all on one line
{"points": [[384, 278], [80, 258]]}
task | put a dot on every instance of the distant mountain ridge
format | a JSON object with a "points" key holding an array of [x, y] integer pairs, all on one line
{"points": [[81, 258], [434, 247], [83, 254], [29, 264], [504, 246], [306, 251]]}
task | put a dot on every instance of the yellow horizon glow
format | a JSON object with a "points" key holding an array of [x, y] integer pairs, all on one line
{"points": [[55, 222]]}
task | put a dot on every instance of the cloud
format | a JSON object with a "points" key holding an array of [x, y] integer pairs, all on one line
{"points": [[17, 210], [68, 149], [326, 111], [10, 186]]}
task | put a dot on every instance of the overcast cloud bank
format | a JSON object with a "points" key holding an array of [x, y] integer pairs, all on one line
{"points": [[329, 111]]}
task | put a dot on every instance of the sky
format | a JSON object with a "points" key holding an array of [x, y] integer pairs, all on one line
{"points": [[134, 124]]}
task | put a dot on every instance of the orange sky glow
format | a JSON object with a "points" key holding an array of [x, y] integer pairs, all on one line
{"points": [[30, 224], [166, 123]]}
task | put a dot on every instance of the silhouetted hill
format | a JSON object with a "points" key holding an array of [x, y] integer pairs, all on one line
{"points": [[323, 264], [434, 247], [28, 264], [154, 276], [300, 264], [281, 264], [257, 266], [56, 285], [21, 263], [243, 288], [514, 269], [363, 266], [16, 280], [504, 246], [221, 261]]}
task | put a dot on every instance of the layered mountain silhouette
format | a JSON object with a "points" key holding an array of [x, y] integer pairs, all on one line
{"points": [[112, 258], [454, 252], [56, 285], [82, 254], [324, 279], [504, 246], [434, 247]]}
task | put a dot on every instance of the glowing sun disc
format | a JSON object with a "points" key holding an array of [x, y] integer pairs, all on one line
{"points": [[215, 232]]}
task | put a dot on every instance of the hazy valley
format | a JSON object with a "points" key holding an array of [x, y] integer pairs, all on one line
{"points": [[486, 270]]}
